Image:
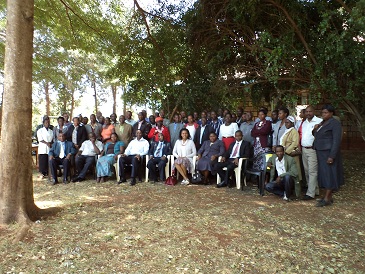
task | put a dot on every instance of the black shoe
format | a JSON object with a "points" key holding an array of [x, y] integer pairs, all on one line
{"points": [[121, 181], [54, 182], [222, 184], [322, 203], [66, 181], [75, 179], [307, 198], [133, 182], [80, 179]]}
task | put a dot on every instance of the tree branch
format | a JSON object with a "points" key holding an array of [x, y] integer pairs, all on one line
{"points": [[154, 42], [343, 4]]}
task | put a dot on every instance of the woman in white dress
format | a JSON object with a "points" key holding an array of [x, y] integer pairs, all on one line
{"points": [[227, 131], [184, 151], [191, 126]]}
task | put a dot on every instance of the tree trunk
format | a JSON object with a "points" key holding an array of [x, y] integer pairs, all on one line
{"points": [[16, 185], [46, 90], [95, 97], [72, 103], [114, 91]]}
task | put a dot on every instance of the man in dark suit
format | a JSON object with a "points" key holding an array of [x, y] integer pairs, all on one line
{"points": [[202, 133], [141, 125], [158, 156], [76, 133], [236, 150], [60, 154]]}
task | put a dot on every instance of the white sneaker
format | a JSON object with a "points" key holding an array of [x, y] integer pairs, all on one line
{"points": [[185, 182]]}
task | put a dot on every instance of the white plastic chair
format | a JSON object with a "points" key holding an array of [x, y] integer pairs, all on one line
{"points": [[195, 159], [237, 172], [167, 167]]}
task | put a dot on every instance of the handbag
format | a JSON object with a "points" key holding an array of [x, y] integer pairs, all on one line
{"points": [[197, 177], [296, 151], [171, 180]]}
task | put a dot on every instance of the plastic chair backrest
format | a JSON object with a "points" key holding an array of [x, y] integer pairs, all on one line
{"points": [[267, 157]]}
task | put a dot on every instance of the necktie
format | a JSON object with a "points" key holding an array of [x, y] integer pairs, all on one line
{"points": [[235, 150], [158, 150]]}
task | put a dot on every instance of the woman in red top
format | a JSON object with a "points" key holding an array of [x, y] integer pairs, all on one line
{"points": [[107, 131]]}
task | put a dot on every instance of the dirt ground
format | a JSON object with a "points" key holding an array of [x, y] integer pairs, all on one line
{"points": [[109, 228]]}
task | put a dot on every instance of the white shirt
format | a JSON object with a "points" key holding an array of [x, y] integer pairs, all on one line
{"points": [[237, 154], [307, 127], [87, 148], [227, 131], [280, 166], [202, 128], [192, 131], [136, 146], [44, 135]]}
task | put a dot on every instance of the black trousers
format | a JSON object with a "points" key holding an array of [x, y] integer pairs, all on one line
{"points": [[55, 162], [43, 164], [225, 174], [83, 163], [131, 159], [286, 184], [151, 165]]}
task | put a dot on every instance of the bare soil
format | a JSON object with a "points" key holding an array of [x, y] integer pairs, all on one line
{"points": [[153, 228]]}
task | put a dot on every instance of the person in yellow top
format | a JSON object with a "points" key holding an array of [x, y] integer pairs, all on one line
{"points": [[123, 130]]}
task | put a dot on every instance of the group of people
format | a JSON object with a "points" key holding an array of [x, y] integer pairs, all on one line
{"points": [[311, 144]]}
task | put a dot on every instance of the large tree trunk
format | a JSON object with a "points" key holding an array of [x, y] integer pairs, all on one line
{"points": [[114, 92], [16, 185], [48, 104]]}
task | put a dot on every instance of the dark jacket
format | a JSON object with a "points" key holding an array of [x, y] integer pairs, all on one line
{"points": [[145, 128], [207, 131], [244, 150], [56, 149], [166, 148], [263, 133], [81, 134], [328, 137]]}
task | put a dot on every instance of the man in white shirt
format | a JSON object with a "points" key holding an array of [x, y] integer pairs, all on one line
{"points": [[137, 148], [309, 156], [86, 156], [283, 174]]}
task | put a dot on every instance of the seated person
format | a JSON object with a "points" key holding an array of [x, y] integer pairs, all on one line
{"points": [[108, 157], [208, 155], [60, 154], [137, 147], [159, 128], [283, 174], [86, 156], [184, 152], [158, 156], [236, 150]]}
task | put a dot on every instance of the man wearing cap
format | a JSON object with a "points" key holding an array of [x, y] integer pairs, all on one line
{"points": [[159, 128]]}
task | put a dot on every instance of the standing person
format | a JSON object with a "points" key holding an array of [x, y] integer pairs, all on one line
{"points": [[202, 133], [45, 138], [85, 158], [191, 125], [227, 131], [290, 142], [260, 132], [108, 157], [309, 156], [208, 156], [166, 121], [299, 123], [113, 119], [66, 117], [327, 142], [60, 128], [98, 115], [215, 123], [174, 129], [184, 151], [239, 113], [274, 117], [76, 133], [159, 128], [141, 125], [152, 120], [128, 118], [94, 127], [246, 127], [124, 131], [107, 131], [279, 128]]}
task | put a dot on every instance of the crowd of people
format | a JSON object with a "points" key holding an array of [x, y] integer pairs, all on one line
{"points": [[305, 152]]}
